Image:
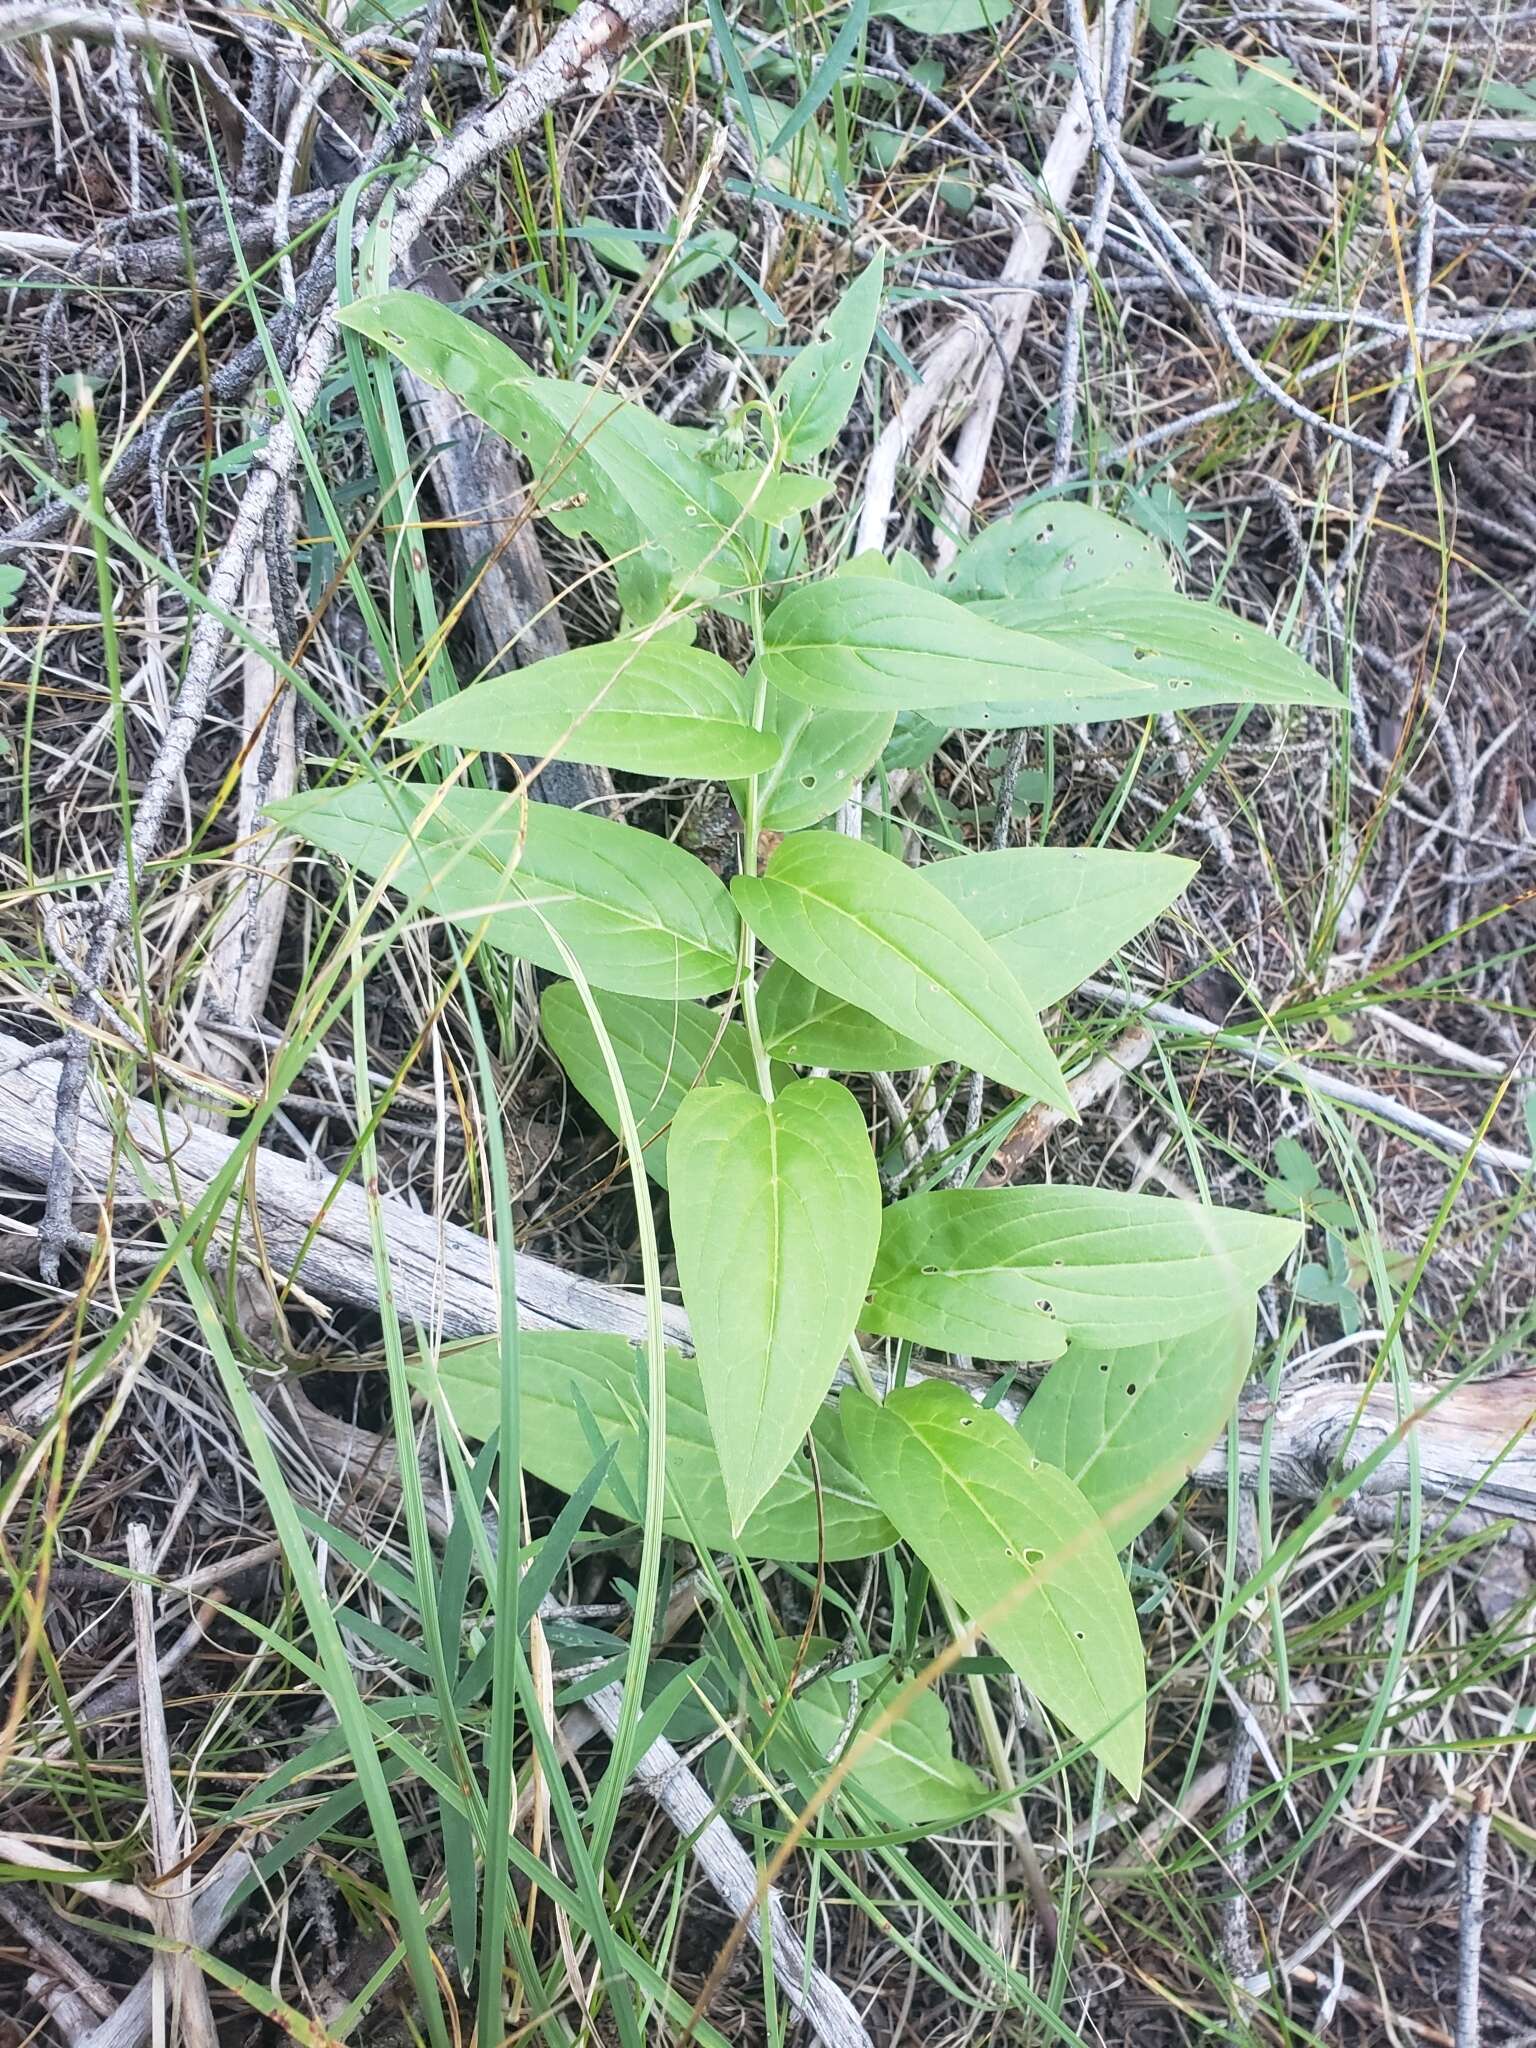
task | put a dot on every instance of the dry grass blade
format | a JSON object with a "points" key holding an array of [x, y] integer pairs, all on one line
{"points": [[172, 1891]]}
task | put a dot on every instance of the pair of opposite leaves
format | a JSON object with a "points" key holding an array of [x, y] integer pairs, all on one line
{"points": [[641, 917], [1020, 1524], [784, 1251]]}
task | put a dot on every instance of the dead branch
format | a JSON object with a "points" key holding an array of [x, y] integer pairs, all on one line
{"points": [[236, 976], [64, 22], [968, 364], [1102, 1077], [1313, 1079], [130, 2025], [733, 1876], [172, 1892], [444, 1276]]}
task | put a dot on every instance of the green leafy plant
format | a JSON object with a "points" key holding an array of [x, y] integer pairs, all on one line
{"points": [[1341, 1278], [943, 17], [664, 1022], [676, 276], [1256, 103]]}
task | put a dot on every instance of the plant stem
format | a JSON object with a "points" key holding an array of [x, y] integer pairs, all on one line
{"points": [[1010, 1816], [750, 832], [861, 1373]]}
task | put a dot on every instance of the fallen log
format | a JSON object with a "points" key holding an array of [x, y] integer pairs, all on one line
{"points": [[444, 1275], [1474, 1443]]}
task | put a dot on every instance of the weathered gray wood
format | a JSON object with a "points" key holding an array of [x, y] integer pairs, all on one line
{"points": [[443, 1275], [1475, 1444]]}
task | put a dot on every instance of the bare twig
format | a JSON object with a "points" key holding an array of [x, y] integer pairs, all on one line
{"points": [[1313, 1078], [129, 2026], [1121, 17], [443, 1275], [511, 610], [733, 1876], [1392, 58], [369, 1463], [72, 1995], [1032, 245], [163, 259], [236, 978], [106, 1891], [971, 362], [173, 1895], [1237, 1914], [1341, 1914], [1107, 1885], [1096, 1081], [967, 350], [1202, 284], [1469, 1959], [90, 1707], [161, 32]]}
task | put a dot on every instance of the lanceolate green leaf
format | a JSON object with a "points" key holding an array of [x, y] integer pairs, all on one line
{"points": [[1056, 553], [821, 755], [639, 914], [569, 1379], [1019, 1549], [651, 707], [873, 643], [1183, 652], [663, 1050], [811, 1027], [868, 928], [817, 390], [605, 466], [909, 1772], [775, 500], [1054, 914], [775, 1218], [943, 17], [1057, 913], [1130, 1425], [1012, 1273]]}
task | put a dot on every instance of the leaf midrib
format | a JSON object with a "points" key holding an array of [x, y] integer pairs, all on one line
{"points": [[559, 893], [1068, 1635], [917, 967]]}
